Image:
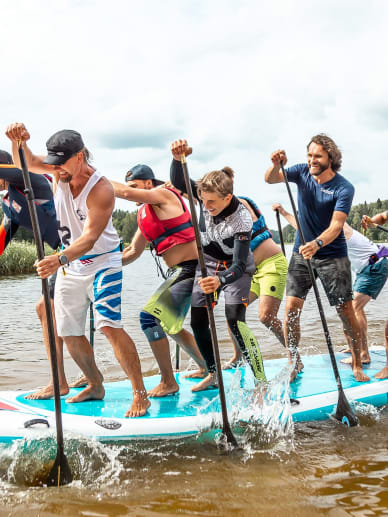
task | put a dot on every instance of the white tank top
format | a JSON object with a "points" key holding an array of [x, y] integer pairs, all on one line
{"points": [[72, 215], [360, 249]]}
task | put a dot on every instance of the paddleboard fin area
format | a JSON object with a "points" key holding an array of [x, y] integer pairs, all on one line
{"points": [[35, 421], [108, 424]]}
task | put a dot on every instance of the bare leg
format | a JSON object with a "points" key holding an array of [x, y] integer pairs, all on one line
{"points": [[189, 345], [352, 329], [294, 307], [126, 354], [383, 374], [82, 353], [359, 303], [237, 355], [48, 391], [268, 315], [168, 384]]}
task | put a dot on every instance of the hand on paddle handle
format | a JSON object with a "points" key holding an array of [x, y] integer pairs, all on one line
{"points": [[366, 222], [17, 132], [278, 157], [210, 284], [180, 147], [47, 266], [279, 207], [308, 250]]}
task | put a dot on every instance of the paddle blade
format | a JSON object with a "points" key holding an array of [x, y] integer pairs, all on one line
{"points": [[230, 438], [344, 412], [60, 474]]}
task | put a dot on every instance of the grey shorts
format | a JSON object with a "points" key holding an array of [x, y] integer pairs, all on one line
{"points": [[235, 293], [334, 274]]}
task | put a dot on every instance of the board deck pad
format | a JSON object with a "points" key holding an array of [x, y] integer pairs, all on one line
{"points": [[315, 389]]}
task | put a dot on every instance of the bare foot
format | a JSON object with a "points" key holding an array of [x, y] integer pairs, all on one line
{"points": [[82, 381], [296, 371], [232, 363], [346, 351], [383, 374], [89, 393], [210, 381], [197, 374], [359, 375], [163, 389], [139, 406], [365, 359], [47, 392]]}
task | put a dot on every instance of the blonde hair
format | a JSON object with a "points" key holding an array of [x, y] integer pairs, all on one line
{"points": [[220, 182]]}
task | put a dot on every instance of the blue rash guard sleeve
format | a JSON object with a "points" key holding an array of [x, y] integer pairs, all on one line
{"points": [[40, 184], [241, 250]]}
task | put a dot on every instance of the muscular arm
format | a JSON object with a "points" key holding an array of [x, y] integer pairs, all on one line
{"points": [[274, 175], [34, 162], [336, 225], [100, 204], [287, 216], [135, 249], [155, 196]]}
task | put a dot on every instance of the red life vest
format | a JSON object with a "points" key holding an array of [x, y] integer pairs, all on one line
{"points": [[167, 233]]}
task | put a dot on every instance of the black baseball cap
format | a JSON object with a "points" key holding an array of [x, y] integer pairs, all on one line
{"points": [[142, 172], [5, 158], [63, 145]]}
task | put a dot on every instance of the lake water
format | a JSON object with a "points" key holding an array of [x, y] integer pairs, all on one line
{"points": [[321, 468]]}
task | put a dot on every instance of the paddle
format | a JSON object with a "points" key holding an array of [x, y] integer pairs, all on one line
{"points": [[344, 412], [91, 325], [280, 232], [177, 357], [378, 226], [226, 430], [60, 473]]}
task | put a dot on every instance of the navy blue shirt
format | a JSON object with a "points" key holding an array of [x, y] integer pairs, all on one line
{"points": [[316, 204]]}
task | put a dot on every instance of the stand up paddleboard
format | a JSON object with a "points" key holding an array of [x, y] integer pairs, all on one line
{"points": [[314, 396]]}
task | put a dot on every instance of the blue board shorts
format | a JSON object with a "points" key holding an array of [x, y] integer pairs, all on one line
{"points": [[372, 278]]}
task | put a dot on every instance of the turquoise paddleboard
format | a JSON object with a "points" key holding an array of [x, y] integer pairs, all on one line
{"points": [[314, 397]]}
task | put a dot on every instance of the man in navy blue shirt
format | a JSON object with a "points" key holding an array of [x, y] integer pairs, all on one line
{"points": [[324, 201]]}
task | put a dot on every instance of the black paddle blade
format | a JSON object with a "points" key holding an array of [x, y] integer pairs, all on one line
{"points": [[230, 438], [344, 412], [60, 474]]}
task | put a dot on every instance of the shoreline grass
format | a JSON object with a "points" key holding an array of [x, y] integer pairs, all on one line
{"points": [[18, 258]]}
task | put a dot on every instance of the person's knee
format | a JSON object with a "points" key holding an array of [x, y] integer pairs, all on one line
{"points": [[40, 308], [266, 318], [150, 325]]}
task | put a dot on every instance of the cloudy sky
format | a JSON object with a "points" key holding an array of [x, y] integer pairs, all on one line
{"points": [[237, 79]]}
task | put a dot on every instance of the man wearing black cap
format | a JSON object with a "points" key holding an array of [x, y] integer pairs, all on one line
{"points": [[90, 260], [165, 223]]}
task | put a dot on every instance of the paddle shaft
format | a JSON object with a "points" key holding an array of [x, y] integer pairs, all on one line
{"points": [[29, 193], [226, 429], [91, 325], [280, 232], [317, 296]]}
